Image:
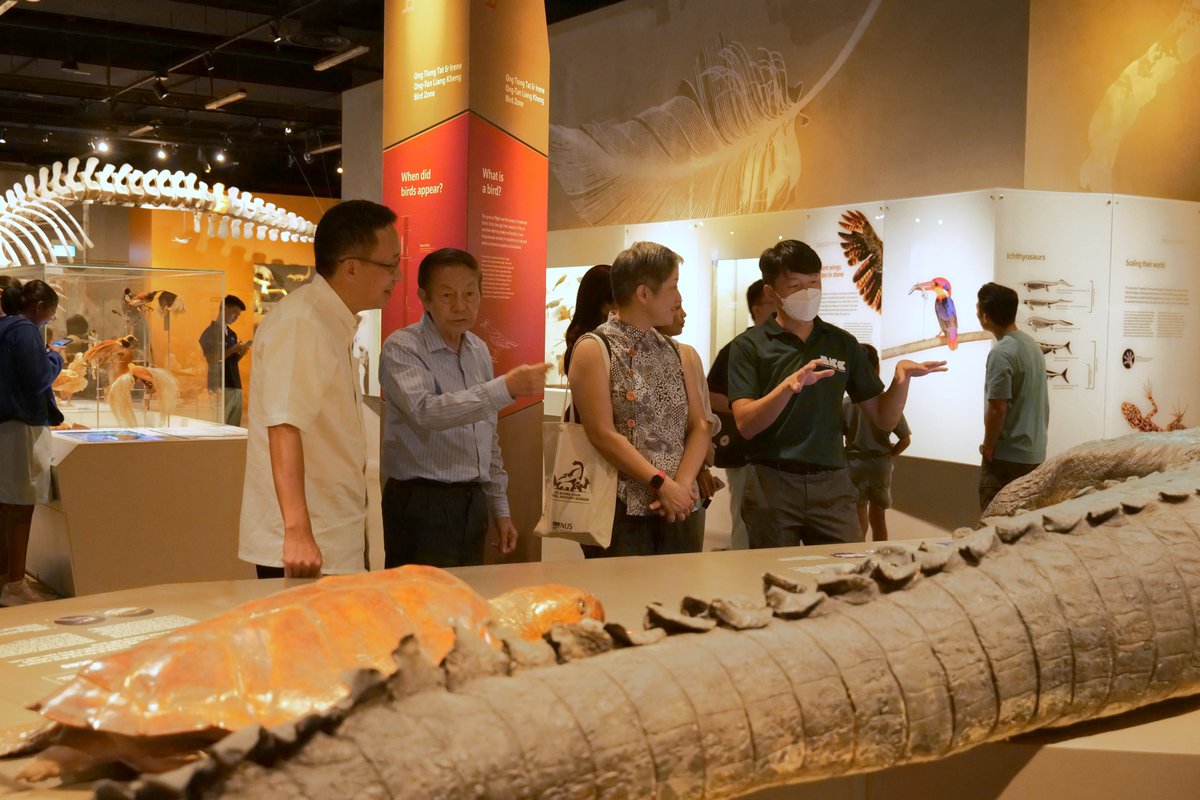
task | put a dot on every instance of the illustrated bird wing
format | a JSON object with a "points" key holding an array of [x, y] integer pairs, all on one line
{"points": [[948, 320], [863, 249]]}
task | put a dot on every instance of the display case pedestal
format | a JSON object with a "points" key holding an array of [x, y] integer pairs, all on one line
{"points": [[137, 513]]}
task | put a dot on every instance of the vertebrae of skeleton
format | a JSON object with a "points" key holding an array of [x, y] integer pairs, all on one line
{"points": [[36, 204]]}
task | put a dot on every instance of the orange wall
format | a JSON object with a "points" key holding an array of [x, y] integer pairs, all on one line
{"points": [[173, 244]]}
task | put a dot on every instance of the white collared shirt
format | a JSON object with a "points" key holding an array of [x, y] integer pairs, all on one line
{"points": [[441, 410], [304, 374]]}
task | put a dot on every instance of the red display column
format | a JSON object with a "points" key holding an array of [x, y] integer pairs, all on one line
{"points": [[465, 132]]}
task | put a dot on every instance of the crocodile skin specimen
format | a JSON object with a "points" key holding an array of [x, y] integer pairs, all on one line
{"points": [[1082, 610]]}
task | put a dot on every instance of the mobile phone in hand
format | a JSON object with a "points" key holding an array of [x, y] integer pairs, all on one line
{"points": [[60, 343]]}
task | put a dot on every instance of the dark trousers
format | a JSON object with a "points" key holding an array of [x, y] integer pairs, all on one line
{"points": [[816, 508], [994, 475], [268, 572], [649, 536], [439, 524]]}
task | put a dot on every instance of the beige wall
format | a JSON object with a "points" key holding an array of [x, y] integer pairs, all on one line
{"points": [[1114, 97]]}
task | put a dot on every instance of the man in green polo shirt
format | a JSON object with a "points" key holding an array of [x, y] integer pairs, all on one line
{"points": [[786, 382], [1017, 410]]}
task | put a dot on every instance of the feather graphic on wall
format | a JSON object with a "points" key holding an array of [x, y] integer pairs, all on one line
{"points": [[864, 249], [725, 144], [1133, 90]]}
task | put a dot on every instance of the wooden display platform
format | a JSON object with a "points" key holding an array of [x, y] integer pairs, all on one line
{"points": [[1155, 749]]}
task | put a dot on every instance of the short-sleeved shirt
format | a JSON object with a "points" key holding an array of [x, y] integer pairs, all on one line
{"points": [[809, 429], [304, 374], [216, 340], [863, 439], [731, 447], [1016, 372]]}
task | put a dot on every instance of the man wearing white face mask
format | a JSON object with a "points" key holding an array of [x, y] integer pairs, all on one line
{"points": [[787, 378]]}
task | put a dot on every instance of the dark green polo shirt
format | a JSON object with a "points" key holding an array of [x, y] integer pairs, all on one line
{"points": [[809, 429]]}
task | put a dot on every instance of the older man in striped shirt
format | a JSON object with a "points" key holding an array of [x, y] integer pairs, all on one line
{"points": [[441, 453]]}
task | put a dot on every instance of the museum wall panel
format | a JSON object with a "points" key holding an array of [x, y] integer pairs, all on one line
{"points": [[709, 108]]}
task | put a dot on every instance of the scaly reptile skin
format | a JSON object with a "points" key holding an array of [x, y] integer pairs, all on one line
{"points": [[1081, 610]]}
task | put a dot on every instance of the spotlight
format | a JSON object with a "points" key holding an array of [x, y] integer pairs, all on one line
{"points": [[207, 167], [206, 59], [3, 135], [220, 157], [308, 158], [101, 146], [46, 138], [159, 87], [337, 58], [276, 37], [339, 169], [287, 130], [162, 154]]}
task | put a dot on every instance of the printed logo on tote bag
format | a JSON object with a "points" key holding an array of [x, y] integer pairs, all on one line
{"points": [[574, 485]]}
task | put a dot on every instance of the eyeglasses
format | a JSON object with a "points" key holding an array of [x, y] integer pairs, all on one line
{"points": [[392, 267]]}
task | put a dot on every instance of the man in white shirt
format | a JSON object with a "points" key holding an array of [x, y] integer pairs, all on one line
{"points": [[305, 493]]}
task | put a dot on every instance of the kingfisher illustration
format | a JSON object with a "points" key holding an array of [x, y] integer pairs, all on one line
{"points": [[943, 307]]}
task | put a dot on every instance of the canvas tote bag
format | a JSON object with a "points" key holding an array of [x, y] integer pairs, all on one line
{"points": [[579, 487]]}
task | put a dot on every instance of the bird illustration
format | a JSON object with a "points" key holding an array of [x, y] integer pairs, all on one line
{"points": [[495, 338], [944, 307], [864, 249]]}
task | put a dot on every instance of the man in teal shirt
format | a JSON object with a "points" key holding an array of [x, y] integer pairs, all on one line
{"points": [[1017, 408], [787, 378]]}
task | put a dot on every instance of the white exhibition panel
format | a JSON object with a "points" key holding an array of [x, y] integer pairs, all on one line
{"points": [[1053, 249], [1113, 277], [950, 237], [841, 303], [1154, 346]]}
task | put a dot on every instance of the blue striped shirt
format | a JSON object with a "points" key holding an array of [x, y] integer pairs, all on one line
{"points": [[440, 411]]}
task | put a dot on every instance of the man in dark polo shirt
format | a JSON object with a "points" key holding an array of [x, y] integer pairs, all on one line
{"points": [[786, 382]]}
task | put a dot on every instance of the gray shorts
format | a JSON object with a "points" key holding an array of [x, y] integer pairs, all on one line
{"points": [[873, 479]]}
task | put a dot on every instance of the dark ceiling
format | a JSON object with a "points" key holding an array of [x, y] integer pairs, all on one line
{"points": [[73, 72]]}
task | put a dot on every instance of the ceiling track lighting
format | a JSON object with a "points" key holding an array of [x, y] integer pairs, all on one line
{"points": [[161, 154], [206, 59], [100, 145], [337, 58], [276, 36], [232, 97], [326, 148], [159, 86]]}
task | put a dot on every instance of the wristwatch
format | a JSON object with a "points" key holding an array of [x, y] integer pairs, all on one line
{"points": [[658, 480]]}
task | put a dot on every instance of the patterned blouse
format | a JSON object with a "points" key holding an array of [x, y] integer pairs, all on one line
{"points": [[649, 403]]}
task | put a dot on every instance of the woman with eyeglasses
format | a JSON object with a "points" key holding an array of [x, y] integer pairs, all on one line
{"points": [[27, 411]]}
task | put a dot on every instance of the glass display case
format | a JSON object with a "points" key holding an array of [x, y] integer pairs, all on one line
{"points": [[131, 340]]}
